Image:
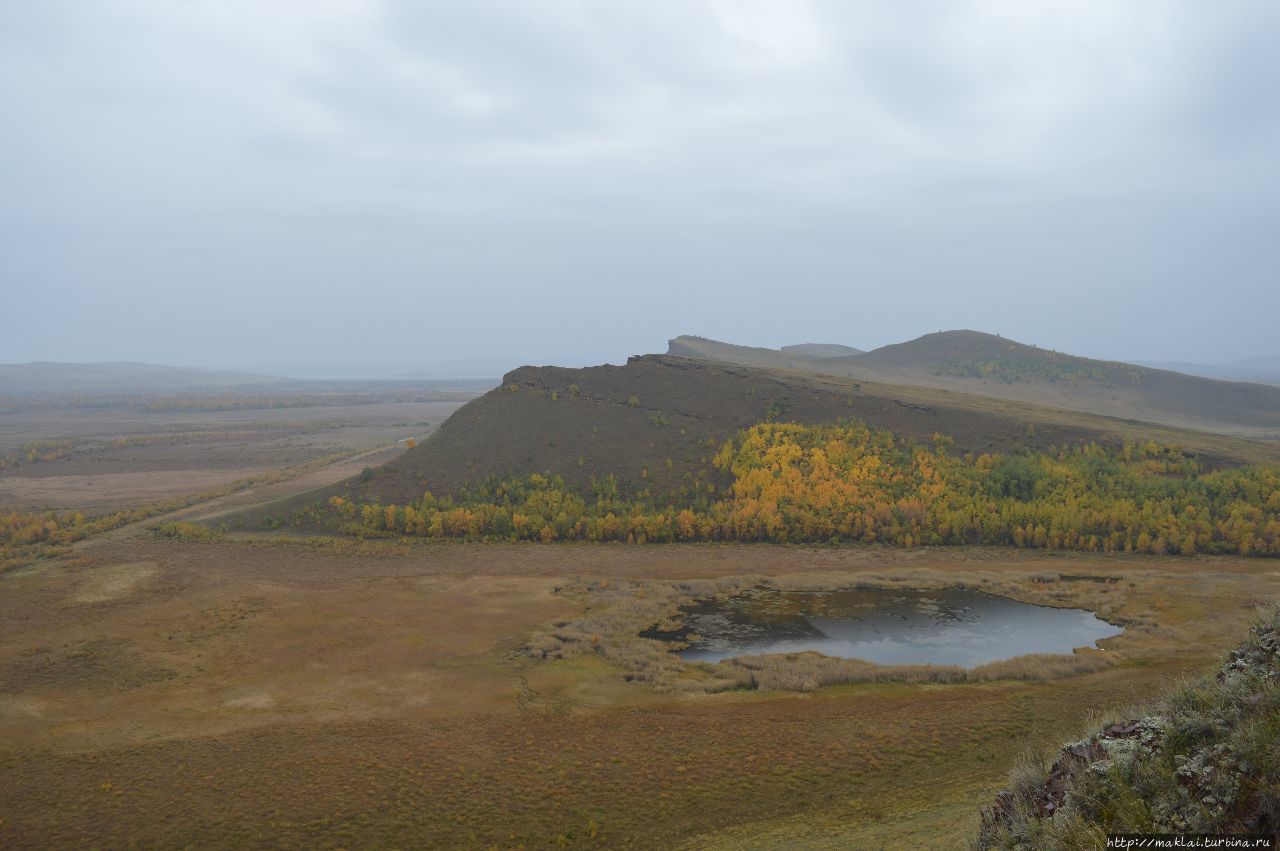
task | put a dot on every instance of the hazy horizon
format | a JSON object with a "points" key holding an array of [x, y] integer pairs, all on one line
{"points": [[494, 366], [230, 184]]}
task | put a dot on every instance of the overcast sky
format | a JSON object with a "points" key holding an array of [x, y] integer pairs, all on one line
{"points": [[229, 183]]}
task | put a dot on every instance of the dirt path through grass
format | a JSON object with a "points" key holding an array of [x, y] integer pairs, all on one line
{"points": [[289, 484]]}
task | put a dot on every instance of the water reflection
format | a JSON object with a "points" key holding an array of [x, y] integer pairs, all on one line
{"points": [[954, 626]]}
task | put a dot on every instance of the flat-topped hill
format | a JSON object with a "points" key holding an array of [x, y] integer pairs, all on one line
{"points": [[656, 422], [821, 350], [700, 348]]}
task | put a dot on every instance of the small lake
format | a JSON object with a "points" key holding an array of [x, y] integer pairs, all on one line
{"points": [[888, 626]]}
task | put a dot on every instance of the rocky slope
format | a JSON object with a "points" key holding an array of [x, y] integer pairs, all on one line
{"points": [[1205, 760]]}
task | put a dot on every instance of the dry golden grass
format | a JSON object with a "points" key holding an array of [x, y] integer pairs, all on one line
{"points": [[810, 671], [255, 693]]}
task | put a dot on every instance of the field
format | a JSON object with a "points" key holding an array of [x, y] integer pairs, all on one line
{"points": [[119, 458], [286, 690], [258, 691]]}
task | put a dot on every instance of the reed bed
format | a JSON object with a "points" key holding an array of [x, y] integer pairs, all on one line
{"points": [[616, 612]]}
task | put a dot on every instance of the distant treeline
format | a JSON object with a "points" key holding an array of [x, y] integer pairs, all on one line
{"points": [[28, 536], [35, 452], [847, 482]]}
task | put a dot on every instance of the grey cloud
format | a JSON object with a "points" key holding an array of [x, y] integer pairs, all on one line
{"points": [[221, 183]]}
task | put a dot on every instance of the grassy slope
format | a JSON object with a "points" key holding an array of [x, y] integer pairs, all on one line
{"points": [[956, 360], [1108, 387], [683, 412]]}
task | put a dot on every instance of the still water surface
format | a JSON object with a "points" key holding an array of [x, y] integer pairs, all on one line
{"points": [[953, 626]]}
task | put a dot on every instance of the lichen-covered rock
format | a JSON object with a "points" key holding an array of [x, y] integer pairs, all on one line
{"points": [[1206, 760]]}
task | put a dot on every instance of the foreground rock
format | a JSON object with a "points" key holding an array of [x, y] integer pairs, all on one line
{"points": [[1207, 760]]}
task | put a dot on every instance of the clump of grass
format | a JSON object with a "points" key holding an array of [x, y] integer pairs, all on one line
{"points": [[809, 671], [1047, 666]]}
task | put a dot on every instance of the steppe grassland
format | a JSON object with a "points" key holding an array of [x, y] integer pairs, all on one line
{"points": [[267, 690], [276, 690], [108, 460]]}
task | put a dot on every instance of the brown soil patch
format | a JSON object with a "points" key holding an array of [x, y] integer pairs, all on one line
{"points": [[114, 581]]}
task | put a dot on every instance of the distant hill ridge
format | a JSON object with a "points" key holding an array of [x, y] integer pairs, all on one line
{"points": [[701, 348], [988, 365], [1263, 370]]}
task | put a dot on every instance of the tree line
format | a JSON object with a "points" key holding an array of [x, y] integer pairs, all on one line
{"points": [[847, 482]]}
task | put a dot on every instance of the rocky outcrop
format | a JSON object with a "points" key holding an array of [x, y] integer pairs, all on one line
{"points": [[1207, 760]]}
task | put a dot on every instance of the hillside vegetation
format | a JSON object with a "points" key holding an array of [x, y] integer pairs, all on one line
{"points": [[1204, 760], [847, 482], [655, 424]]}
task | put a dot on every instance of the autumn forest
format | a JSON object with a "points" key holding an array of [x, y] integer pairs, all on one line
{"points": [[847, 482]]}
